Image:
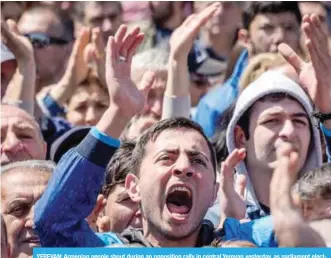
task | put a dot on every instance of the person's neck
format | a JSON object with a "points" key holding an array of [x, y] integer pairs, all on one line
{"points": [[172, 23], [260, 179], [158, 240], [220, 44]]}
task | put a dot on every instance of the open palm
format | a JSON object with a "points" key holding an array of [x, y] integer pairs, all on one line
{"points": [[122, 90], [315, 76]]}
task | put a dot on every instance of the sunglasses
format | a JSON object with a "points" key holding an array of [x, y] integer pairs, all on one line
{"points": [[42, 40]]}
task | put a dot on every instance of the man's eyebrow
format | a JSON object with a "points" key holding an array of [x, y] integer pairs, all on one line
{"points": [[197, 153], [169, 150], [300, 114], [277, 113], [24, 126]]}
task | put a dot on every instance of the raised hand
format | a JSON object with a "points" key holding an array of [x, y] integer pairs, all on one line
{"points": [[181, 42], [182, 39], [123, 92], [19, 45], [77, 68], [315, 76], [232, 194], [95, 53], [289, 225]]}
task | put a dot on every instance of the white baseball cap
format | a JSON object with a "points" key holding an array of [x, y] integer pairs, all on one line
{"points": [[6, 54]]}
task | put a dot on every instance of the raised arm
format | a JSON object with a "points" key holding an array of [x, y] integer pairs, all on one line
{"points": [[53, 103], [72, 191], [177, 95], [21, 91], [315, 76]]}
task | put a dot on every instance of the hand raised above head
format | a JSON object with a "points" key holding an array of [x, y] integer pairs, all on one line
{"points": [[19, 45], [315, 76], [182, 38], [77, 68], [122, 90]]}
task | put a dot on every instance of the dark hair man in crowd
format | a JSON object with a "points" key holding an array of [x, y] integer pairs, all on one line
{"points": [[120, 208], [107, 16], [266, 25], [21, 138], [176, 148], [51, 33], [22, 184], [274, 110]]}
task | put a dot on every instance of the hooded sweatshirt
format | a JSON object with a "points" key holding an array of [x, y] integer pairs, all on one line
{"points": [[267, 83]]}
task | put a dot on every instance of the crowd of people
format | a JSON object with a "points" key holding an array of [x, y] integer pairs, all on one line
{"points": [[165, 124]]}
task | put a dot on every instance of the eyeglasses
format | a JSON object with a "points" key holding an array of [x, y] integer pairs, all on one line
{"points": [[42, 40]]}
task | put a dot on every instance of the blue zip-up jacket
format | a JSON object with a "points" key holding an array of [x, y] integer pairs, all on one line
{"points": [[71, 194], [214, 103]]}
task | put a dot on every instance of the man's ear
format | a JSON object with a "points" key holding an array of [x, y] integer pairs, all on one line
{"points": [[239, 137], [307, 208], [243, 37], [132, 187], [216, 193]]}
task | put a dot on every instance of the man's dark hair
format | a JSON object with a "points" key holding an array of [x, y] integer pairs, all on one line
{"points": [[254, 8], [65, 20], [315, 183], [274, 97], [167, 124], [118, 167]]}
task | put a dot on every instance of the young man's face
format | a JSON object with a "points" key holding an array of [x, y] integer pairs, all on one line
{"points": [[87, 105], [20, 190], [105, 15], [176, 183], [121, 210], [270, 125], [268, 30]]}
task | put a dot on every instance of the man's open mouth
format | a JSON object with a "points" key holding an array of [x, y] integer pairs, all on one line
{"points": [[179, 200]]}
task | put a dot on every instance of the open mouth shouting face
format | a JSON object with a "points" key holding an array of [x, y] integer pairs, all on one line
{"points": [[179, 201], [175, 184]]}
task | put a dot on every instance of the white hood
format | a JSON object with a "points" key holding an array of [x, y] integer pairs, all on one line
{"points": [[267, 83]]}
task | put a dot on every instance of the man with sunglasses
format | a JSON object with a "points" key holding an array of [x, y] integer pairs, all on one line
{"points": [[51, 34]]}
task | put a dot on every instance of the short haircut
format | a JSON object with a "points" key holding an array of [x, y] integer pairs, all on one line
{"points": [[40, 165], [243, 122], [315, 184], [64, 18], [253, 8], [118, 167], [78, 10], [153, 132]]}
